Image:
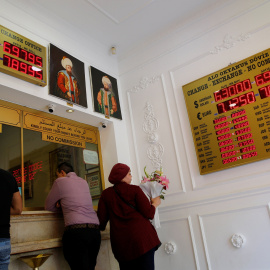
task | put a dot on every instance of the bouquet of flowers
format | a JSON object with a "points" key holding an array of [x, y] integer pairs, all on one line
{"points": [[154, 185]]}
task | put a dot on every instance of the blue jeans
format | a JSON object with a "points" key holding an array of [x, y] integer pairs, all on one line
{"points": [[5, 250]]}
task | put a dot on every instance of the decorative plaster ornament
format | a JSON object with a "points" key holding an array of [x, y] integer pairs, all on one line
{"points": [[152, 138], [150, 125], [144, 83], [238, 240], [155, 153], [170, 248], [229, 42]]}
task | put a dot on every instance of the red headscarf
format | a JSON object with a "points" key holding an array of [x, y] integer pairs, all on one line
{"points": [[118, 172]]}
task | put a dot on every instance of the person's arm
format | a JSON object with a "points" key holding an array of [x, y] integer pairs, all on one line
{"points": [[144, 206], [16, 204], [52, 199], [102, 213]]}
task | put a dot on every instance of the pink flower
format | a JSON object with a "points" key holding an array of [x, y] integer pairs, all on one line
{"points": [[165, 181], [145, 180], [156, 176]]}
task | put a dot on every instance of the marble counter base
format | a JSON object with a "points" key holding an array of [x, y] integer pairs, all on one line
{"points": [[40, 230]]}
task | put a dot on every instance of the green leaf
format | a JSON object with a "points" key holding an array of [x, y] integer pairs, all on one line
{"points": [[146, 174]]}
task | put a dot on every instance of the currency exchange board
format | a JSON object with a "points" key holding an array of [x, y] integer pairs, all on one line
{"points": [[229, 114]]}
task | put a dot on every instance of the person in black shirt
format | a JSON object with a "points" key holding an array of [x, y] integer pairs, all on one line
{"points": [[10, 204]]}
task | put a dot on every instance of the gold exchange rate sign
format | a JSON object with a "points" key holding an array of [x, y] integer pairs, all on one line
{"points": [[22, 58], [229, 114]]}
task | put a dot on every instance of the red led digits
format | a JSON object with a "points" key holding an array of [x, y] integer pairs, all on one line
{"points": [[228, 154], [221, 119], [225, 124], [248, 148], [241, 131], [221, 131], [244, 137], [223, 137], [249, 155], [225, 142], [236, 102], [7, 47], [236, 114], [264, 92], [232, 90], [229, 160], [240, 119], [23, 54], [245, 143], [244, 124], [21, 67], [262, 78], [227, 148]]}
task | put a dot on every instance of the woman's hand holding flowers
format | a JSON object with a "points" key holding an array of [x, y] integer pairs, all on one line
{"points": [[156, 201]]}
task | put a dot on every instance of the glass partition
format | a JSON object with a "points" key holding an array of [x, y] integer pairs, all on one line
{"points": [[35, 169], [10, 145], [41, 159]]}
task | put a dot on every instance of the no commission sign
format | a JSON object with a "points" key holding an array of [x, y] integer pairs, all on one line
{"points": [[62, 140]]}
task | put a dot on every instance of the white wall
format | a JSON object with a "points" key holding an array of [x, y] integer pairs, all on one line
{"points": [[201, 212], [45, 31], [114, 143]]}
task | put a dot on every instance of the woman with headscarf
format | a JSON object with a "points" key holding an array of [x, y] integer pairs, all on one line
{"points": [[134, 239]]}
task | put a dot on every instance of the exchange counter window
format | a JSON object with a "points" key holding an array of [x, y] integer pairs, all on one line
{"points": [[41, 159], [33, 159]]}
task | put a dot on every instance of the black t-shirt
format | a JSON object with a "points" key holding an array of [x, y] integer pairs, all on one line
{"points": [[8, 186]]}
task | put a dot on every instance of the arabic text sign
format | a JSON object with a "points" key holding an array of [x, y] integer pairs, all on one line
{"points": [[50, 126]]}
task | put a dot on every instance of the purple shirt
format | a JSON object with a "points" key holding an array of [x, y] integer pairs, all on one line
{"points": [[76, 201]]}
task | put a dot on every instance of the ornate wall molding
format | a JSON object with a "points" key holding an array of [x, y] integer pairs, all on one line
{"points": [[143, 84], [229, 42], [170, 248], [238, 240], [156, 150]]}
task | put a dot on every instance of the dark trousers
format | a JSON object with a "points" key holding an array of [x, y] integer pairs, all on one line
{"points": [[81, 247], [144, 262]]}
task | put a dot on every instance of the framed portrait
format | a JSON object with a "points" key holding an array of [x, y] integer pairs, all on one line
{"points": [[94, 182], [105, 94], [67, 77]]}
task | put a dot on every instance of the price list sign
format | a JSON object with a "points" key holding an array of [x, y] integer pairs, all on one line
{"points": [[22, 58], [229, 114]]}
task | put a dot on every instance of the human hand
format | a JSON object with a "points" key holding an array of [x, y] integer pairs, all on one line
{"points": [[58, 204], [156, 201], [68, 94]]}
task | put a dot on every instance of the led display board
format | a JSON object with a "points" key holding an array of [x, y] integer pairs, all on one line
{"points": [[22, 58], [229, 114]]}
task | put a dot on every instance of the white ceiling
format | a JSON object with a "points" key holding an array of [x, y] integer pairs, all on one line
{"points": [[125, 24]]}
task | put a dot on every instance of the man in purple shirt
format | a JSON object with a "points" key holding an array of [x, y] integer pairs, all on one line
{"points": [[81, 239]]}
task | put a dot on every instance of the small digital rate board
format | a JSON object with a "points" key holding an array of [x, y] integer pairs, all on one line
{"points": [[22, 58]]}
